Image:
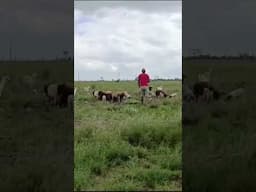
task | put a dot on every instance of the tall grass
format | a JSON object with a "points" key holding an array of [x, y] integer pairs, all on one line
{"points": [[128, 146], [219, 148], [37, 144]]}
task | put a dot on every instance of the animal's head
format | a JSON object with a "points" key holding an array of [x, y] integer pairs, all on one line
{"points": [[127, 95], [159, 88], [99, 95], [95, 93], [150, 88]]}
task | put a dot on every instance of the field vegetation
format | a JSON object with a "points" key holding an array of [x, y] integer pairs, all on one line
{"points": [[127, 146], [219, 137], [36, 140]]}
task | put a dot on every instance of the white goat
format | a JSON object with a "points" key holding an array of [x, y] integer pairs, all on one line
{"points": [[52, 93], [235, 93]]}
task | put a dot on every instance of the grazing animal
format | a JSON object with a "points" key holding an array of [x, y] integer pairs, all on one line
{"points": [[63, 91], [160, 93], [203, 90], [187, 94], [2, 83], [95, 93], [150, 92], [107, 95], [120, 96], [111, 97], [173, 95], [234, 94], [58, 93], [104, 98], [51, 91]]}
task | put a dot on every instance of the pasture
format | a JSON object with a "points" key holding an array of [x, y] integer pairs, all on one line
{"points": [[219, 138], [127, 146], [36, 141]]}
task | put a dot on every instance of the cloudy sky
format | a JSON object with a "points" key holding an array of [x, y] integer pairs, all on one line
{"points": [[219, 27], [36, 29], [116, 39]]}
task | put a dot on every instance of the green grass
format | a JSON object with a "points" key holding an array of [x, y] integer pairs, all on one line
{"points": [[128, 146], [219, 140], [36, 145]]}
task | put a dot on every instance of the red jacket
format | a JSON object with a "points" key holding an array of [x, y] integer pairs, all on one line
{"points": [[143, 79]]}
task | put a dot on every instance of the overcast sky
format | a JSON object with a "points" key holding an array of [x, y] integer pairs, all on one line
{"points": [[219, 27], [117, 39], [36, 29], [138, 30]]}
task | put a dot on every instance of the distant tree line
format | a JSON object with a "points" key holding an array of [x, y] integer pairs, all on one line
{"points": [[161, 79], [243, 56], [64, 57]]}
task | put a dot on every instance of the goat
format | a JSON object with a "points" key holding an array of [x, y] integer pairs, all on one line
{"points": [[107, 95], [51, 91], [64, 90], [58, 93], [160, 93], [120, 96], [204, 90], [234, 94], [111, 97]]}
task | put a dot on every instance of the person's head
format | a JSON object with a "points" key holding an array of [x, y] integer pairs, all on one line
{"points": [[143, 70]]}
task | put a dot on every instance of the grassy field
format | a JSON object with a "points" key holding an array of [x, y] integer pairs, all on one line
{"points": [[127, 146], [219, 138], [36, 141]]}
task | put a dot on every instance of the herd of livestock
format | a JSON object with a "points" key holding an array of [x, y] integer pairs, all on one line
{"points": [[203, 90], [119, 97], [55, 94], [62, 94]]}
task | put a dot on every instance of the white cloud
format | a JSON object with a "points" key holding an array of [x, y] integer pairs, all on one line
{"points": [[120, 40]]}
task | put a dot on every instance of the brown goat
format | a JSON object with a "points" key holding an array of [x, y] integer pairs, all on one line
{"points": [[109, 96]]}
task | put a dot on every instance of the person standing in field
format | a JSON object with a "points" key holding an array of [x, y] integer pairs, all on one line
{"points": [[143, 83]]}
